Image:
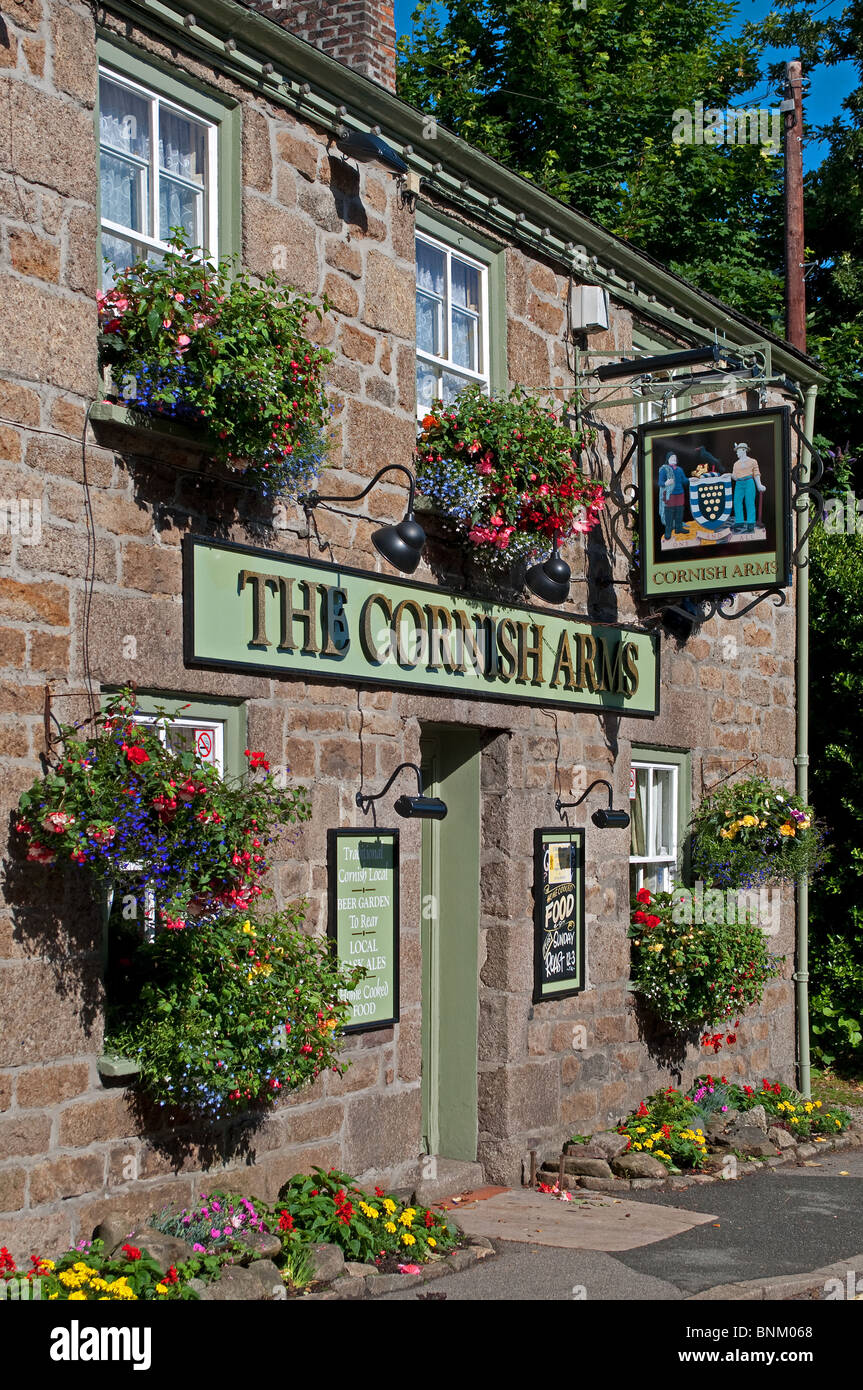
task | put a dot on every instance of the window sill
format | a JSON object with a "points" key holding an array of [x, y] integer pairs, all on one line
{"points": [[110, 413], [113, 1068]]}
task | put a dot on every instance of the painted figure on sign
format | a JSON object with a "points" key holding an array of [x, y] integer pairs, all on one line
{"points": [[747, 484], [675, 496]]}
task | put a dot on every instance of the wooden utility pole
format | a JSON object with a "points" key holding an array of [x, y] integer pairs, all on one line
{"points": [[795, 284]]}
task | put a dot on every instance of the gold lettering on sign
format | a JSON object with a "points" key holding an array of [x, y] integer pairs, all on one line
{"points": [[506, 636], [532, 651], [466, 639], [367, 639], [306, 615], [630, 661], [439, 629], [258, 584], [337, 636], [403, 656], [563, 664], [587, 673]]}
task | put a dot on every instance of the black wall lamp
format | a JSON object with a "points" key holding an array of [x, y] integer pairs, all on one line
{"points": [[366, 148], [417, 807], [551, 579], [607, 818], [401, 545], [666, 362]]}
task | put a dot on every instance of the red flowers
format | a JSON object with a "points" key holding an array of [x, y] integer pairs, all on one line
{"points": [[643, 895], [131, 1252], [286, 1221], [172, 1277], [652, 921], [344, 1210], [7, 1264], [135, 753], [642, 1111], [257, 760]]}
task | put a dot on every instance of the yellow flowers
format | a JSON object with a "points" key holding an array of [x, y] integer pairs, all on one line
{"points": [[432, 1242], [749, 820], [371, 1212], [390, 1227], [787, 829], [408, 1239], [389, 1206], [77, 1294], [161, 1288], [640, 1129], [247, 926], [407, 1216]]}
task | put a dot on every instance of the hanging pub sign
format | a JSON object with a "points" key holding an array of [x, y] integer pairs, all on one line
{"points": [[558, 860], [265, 612], [715, 504], [363, 920]]}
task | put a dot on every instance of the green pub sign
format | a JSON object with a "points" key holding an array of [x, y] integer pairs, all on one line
{"points": [[363, 920], [262, 611]]}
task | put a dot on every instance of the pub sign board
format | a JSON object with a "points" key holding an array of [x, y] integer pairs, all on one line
{"points": [[558, 858], [715, 504], [262, 611], [363, 920]]}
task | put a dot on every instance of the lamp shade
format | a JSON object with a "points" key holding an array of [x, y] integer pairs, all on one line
{"points": [[401, 545], [550, 580]]}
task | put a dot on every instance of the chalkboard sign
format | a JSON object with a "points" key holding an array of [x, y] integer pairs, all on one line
{"points": [[558, 857], [363, 920]]}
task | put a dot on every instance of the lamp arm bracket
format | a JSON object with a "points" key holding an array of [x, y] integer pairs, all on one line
{"points": [[569, 805], [364, 802], [312, 499]]}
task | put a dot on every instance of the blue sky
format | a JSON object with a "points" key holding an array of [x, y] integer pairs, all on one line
{"points": [[829, 86]]}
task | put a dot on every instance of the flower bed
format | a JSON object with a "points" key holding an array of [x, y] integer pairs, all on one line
{"points": [[505, 470], [753, 832], [716, 1130], [191, 341], [696, 975], [256, 1249]]}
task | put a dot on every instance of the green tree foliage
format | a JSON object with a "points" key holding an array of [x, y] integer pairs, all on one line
{"points": [[582, 101], [836, 698], [834, 212]]}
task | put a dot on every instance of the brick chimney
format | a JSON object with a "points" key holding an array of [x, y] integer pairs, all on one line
{"points": [[359, 33]]}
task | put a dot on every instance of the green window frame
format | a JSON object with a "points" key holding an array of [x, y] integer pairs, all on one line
{"points": [[230, 714], [221, 112], [675, 861], [491, 258]]}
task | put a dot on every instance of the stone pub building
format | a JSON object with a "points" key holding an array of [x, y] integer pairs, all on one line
{"points": [[97, 572]]}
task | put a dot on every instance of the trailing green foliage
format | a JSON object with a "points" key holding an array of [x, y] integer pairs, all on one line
{"points": [[229, 1013], [752, 832], [203, 343]]}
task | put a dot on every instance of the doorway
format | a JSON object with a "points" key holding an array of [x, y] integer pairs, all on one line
{"points": [[450, 943]]}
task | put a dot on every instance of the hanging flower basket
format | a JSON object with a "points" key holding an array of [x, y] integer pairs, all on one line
{"points": [[505, 470], [696, 974], [754, 832], [191, 341], [141, 817]]}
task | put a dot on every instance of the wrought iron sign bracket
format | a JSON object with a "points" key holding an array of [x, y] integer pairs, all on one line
{"points": [[806, 476]]}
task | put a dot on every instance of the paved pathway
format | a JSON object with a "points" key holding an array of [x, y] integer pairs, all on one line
{"points": [[782, 1222]]}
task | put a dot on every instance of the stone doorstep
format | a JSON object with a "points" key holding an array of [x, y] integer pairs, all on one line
{"points": [[677, 1182], [466, 1199]]}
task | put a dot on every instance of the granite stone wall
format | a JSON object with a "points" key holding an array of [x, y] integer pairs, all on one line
{"points": [[70, 1146]]}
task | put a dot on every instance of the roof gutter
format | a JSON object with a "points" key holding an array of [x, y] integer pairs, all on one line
{"points": [[287, 71]]}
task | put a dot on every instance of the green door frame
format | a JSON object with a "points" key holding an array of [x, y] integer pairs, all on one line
{"points": [[450, 943]]}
